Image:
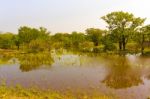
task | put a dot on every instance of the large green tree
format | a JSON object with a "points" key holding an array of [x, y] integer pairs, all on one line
{"points": [[122, 25]]}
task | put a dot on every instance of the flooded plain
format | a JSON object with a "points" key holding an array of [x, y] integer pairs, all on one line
{"points": [[125, 77]]}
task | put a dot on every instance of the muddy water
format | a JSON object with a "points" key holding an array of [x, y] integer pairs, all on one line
{"points": [[125, 77]]}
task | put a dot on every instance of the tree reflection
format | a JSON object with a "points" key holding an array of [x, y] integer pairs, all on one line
{"points": [[32, 61], [122, 74]]}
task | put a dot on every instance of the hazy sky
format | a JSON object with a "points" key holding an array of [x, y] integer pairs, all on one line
{"points": [[65, 15]]}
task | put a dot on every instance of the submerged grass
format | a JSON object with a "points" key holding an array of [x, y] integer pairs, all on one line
{"points": [[23, 93]]}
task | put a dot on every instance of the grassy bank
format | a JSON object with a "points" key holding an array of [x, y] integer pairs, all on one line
{"points": [[22, 93]]}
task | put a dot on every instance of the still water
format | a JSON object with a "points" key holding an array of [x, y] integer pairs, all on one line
{"points": [[126, 77]]}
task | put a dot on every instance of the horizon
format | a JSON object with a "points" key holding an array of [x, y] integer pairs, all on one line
{"points": [[65, 16]]}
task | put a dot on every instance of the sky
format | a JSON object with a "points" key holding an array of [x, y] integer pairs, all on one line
{"points": [[65, 15]]}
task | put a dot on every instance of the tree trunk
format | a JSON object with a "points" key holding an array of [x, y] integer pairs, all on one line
{"points": [[18, 47], [142, 45], [123, 43], [96, 44], [120, 45]]}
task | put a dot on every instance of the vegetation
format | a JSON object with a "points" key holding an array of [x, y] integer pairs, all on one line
{"points": [[123, 28], [32, 47], [33, 93]]}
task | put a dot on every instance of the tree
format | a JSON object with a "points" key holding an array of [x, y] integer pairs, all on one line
{"points": [[33, 37], [142, 37], [60, 40], [16, 41], [27, 34], [94, 35], [108, 42], [76, 39], [43, 33], [122, 25], [38, 45], [6, 40]]}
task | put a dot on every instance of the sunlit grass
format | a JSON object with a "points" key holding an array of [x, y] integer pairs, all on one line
{"points": [[22, 93]]}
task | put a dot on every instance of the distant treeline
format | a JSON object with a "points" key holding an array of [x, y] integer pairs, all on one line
{"points": [[124, 32]]}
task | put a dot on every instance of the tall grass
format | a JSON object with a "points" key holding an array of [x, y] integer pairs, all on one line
{"points": [[22, 93]]}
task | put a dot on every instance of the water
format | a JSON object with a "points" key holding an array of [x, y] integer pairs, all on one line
{"points": [[125, 77]]}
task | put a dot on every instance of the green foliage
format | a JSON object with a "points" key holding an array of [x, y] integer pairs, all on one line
{"points": [[108, 43], [37, 45], [35, 39], [86, 46], [16, 41], [27, 34], [122, 25], [146, 31], [76, 39], [61, 40], [68, 41], [97, 50], [109, 46], [6, 40], [94, 35]]}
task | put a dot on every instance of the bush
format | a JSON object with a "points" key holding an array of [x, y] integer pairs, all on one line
{"points": [[37, 46], [86, 46], [109, 46], [97, 49]]}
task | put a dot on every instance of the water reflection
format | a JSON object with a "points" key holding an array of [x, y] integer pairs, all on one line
{"points": [[122, 74], [105, 73], [31, 61]]}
